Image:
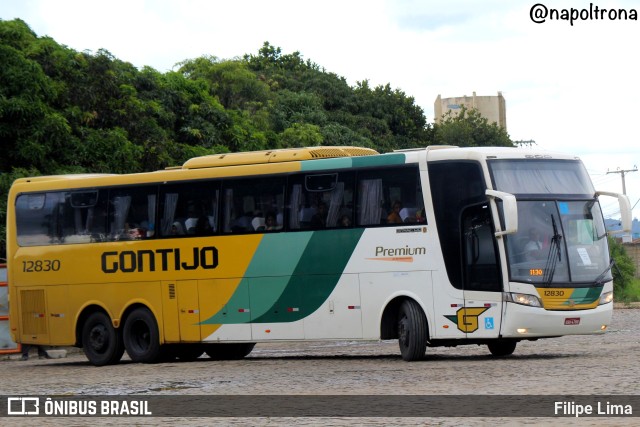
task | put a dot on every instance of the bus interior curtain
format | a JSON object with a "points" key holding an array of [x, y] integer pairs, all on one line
{"points": [[370, 201], [151, 211], [336, 202], [529, 181], [228, 206], [296, 198], [168, 216], [121, 205], [214, 211]]}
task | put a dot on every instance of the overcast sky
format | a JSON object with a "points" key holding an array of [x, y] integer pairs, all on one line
{"points": [[570, 86]]}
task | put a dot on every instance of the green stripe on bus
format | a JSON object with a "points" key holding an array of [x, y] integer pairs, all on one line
{"points": [[585, 295], [324, 164], [267, 275], [384, 160], [349, 162], [290, 276], [315, 277]]}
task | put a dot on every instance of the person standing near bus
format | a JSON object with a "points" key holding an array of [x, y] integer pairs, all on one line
{"points": [[42, 353]]}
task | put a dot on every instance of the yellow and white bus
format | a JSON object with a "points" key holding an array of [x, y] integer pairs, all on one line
{"points": [[426, 246]]}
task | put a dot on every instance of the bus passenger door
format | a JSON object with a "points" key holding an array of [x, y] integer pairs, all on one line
{"points": [[481, 274]]}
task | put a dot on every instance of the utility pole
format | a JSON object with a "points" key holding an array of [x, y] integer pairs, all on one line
{"points": [[622, 173]]}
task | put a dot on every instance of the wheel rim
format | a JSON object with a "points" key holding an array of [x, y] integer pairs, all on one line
{"points": [[99, 338]]}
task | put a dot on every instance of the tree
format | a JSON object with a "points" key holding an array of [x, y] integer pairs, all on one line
{"points": [[301, 135], [469, 128], [623, 270]]}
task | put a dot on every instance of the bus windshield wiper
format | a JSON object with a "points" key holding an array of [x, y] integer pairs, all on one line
{"points": [[600, 279], [554, 256]]}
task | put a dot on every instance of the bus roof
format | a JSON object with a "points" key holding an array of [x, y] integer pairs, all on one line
{"points": [[283, 161], [487, 153], [275, 156]]}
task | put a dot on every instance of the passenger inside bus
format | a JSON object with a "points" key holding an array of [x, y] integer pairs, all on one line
{"points": [[270, 223], [177, 229], [394, 217], [345, 221], [319, 220]]}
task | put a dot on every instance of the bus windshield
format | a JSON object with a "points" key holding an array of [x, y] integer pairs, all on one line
{"points": [[561, 237], [559, 242]]}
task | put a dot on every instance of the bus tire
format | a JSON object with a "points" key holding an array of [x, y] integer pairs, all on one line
{"points": [[141, 336], [229, 351], [412, 331], [501, 348], [101, 342]]}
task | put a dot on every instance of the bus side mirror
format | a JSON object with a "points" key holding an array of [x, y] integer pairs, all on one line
{"points": [[625, 208], [509, 210]]}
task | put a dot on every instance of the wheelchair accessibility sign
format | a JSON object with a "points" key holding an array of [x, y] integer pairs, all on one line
{"points": [[488, 323]]}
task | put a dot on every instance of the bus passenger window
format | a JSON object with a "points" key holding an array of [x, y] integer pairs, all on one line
{"points": [[189, 209], [390, 196], [247, 201], [318, 201], [132, 213]]}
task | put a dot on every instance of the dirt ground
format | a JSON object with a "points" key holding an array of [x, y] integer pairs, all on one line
{"points": [[601, 365]]}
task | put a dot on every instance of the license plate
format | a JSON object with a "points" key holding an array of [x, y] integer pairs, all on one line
{"points": [[572, 321]]}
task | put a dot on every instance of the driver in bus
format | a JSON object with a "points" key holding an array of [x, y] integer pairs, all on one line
{"points": [[533, 248]]}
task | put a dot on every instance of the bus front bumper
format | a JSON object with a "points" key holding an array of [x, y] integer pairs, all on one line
{"points": [[533, 322]]}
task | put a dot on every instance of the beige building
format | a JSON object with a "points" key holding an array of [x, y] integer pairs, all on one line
{"points": [[491, 107]]}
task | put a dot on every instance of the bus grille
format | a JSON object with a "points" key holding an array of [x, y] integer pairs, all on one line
{"points": [[34, 321]]}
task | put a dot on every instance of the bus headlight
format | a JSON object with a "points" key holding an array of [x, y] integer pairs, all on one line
{"points": [[522, 299], [606, 298]]}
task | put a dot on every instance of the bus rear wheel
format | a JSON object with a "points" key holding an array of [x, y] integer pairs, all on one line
{"points": [[412, 331], [141, 336], [101, 342], [229, 351], [501, 348]]}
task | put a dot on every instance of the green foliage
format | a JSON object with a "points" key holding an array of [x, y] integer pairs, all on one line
{"points": [[632, 292], [623, 271], [469, 129], [301, 134], [63, 111]]}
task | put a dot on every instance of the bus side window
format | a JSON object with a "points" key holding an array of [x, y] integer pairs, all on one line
{"points": [[132, 213], [38, 220], [248, 201], [321, 200], [61, 217], [85, 216], [390, 196], [189, 209]]}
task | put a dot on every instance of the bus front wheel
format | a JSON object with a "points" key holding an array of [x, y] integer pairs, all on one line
{"points": [[412, 331], [141, 336], [101, 342]]}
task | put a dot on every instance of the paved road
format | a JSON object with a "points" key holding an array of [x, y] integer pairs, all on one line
{"points": [[602, 365]]}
